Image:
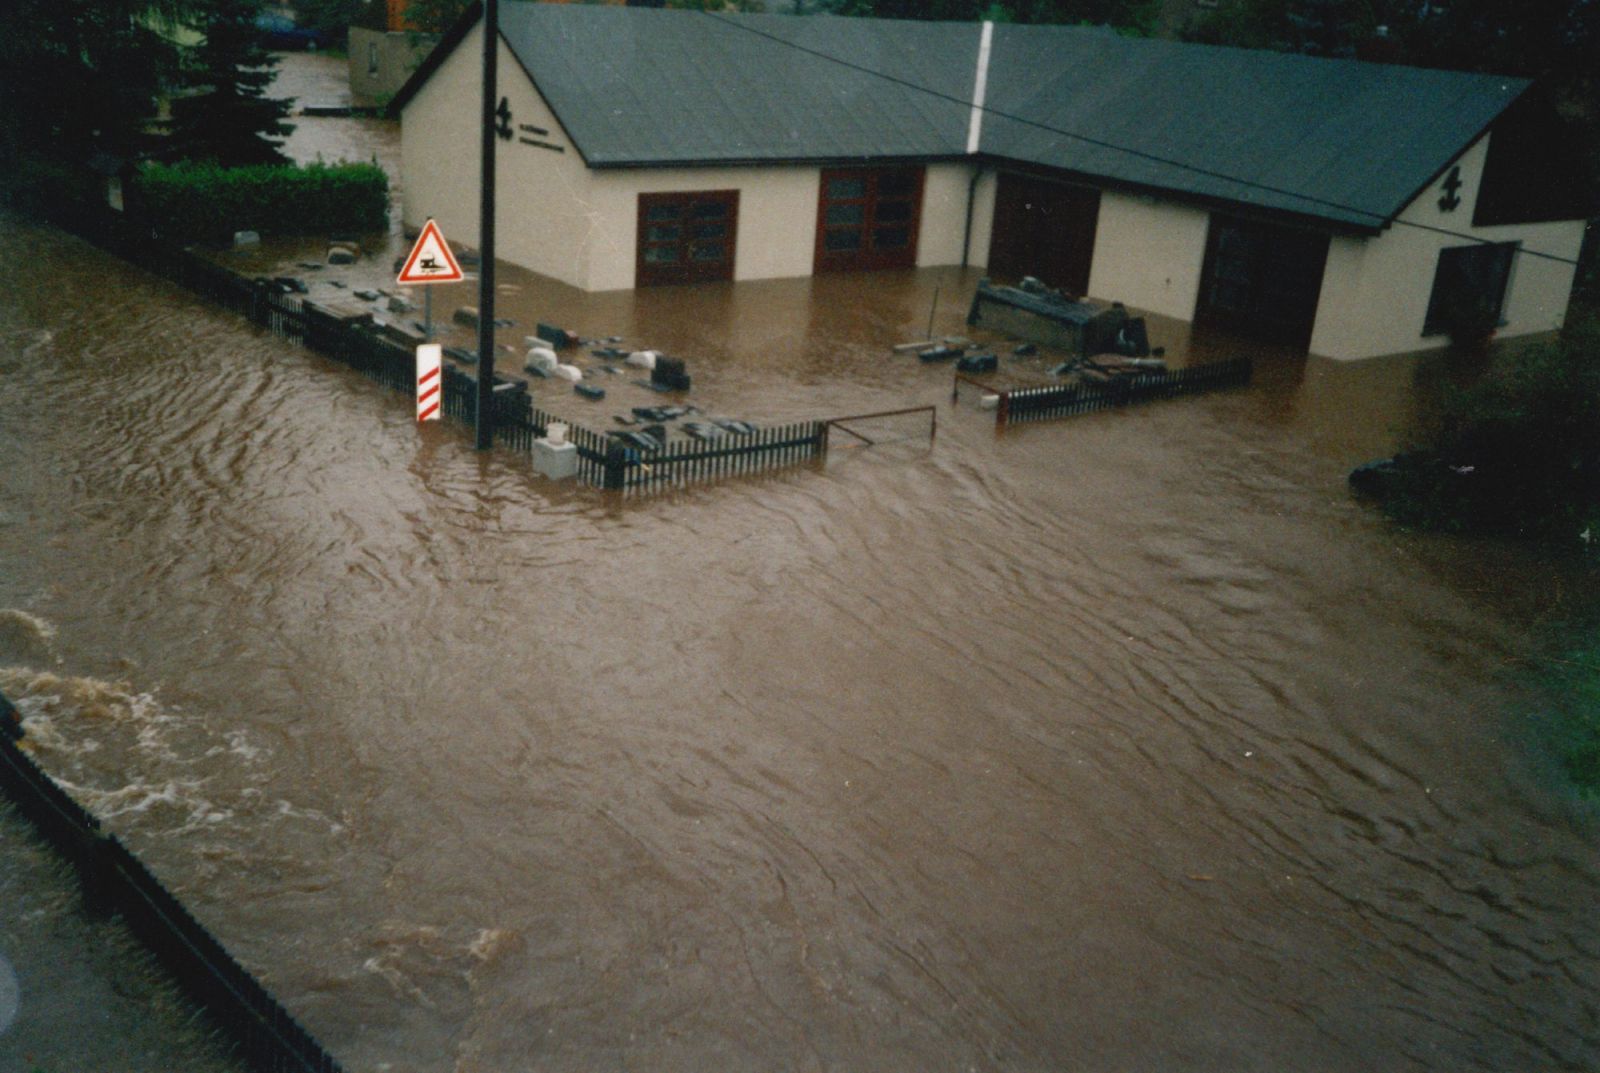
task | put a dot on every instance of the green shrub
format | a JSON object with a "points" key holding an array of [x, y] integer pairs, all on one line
{"points": [[196, 202], [1571, 716], [1517, 453]]}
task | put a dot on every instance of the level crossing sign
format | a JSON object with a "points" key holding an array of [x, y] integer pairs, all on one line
{"points": [[430, 260]]}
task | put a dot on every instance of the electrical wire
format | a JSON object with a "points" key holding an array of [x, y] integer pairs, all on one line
{"points": [[1137, 153]]}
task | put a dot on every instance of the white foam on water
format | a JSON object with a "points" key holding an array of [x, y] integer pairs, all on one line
{"points": [[56, 708], [238, 746], [26, 624], [490, 942]]}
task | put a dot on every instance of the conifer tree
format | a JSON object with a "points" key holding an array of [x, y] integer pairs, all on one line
{"points": [[230, 120], [83, 78]]}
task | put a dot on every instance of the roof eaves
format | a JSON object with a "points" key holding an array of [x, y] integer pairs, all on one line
{"points": [[629, 164], [1210, 201]]}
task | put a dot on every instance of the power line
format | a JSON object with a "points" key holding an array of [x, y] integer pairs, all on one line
{"points": [[1137, 153]]}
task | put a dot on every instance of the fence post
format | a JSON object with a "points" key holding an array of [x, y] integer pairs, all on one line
{"points": [[94, 872], [616, 465]]}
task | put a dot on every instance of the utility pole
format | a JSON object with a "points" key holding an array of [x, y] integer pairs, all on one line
{"points": [[485, 408]]}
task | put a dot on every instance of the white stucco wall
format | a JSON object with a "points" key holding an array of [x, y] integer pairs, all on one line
{"points": [[777, 218], [1375, 291], [944, 214], [562, 220], [545, 218], [1148, 253]]}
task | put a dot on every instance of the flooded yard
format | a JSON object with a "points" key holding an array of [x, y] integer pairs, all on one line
{"points": [[1127, 742]]}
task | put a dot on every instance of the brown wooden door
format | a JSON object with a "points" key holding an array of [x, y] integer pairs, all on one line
{"points": [[686, 238], [1044, 229], [1262, 279], [868, 218]]}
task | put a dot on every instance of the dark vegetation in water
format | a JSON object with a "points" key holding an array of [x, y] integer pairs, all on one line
{"points": [[1518, 453], [1572, 721]]}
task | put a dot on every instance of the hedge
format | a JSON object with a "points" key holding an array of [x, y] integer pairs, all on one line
{"points": [[196, 202]]}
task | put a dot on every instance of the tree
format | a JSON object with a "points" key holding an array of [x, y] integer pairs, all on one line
{"points": [[1137, 15], [230, 120], [1557, 41], [332, 18], [79, 79], [434, 16], [1554, 42], [1336, 28]]}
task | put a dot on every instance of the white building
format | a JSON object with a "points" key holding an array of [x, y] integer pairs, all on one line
{"points": [[1351, 208]]}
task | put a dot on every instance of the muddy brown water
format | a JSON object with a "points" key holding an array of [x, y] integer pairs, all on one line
{"points": [[1121, 743], [1118, 743]]}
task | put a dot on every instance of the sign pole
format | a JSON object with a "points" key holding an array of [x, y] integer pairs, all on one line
{"points": [[429, 262], [485, 406]]}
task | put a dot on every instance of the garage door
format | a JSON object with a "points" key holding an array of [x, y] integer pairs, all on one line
{"points": [[1262, 279], [1044, 229]]}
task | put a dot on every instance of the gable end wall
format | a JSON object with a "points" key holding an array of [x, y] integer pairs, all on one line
{"points": [[544, 219], [1375, 291]]}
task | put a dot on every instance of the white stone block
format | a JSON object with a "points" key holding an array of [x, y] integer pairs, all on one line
{"points": [[557, 461]]}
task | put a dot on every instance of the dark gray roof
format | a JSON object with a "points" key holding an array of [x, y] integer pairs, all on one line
{"points": [[640, 86], [1347, 142], [1358, 140]]}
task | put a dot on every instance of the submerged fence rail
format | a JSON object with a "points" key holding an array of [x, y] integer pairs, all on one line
{"points": [[114, 880], [1051, 401]]}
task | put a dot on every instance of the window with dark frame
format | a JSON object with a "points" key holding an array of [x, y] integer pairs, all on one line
{"points": [[1469, 289], [687, 237], [867, 218]]}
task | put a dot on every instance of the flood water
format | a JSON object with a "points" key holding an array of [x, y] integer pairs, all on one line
{"points": [[1127, 742]]}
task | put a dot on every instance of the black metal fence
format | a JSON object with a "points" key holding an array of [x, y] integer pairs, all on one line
{"points": [[688, 461], [385, 355], [1050, 401], [114, 880]]}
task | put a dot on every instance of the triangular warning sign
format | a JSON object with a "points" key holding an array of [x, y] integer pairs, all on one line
{"points": [[431, 260]]}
